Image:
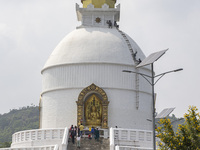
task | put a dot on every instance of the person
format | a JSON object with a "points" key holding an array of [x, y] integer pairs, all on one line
{"points": [[78, 141], [139, 61], [116, 25], [70, 130], [71, 127], [92, 132], [89, 136], [73, 135], [75, 130], [78, 131], [81, 129], [109, 23], [97, 134], [135, 54]]}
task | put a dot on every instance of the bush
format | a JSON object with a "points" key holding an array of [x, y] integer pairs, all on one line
{"points": [[187, 136]]}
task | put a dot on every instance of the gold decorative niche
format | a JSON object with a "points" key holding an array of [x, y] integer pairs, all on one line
{"points": [[93, 111], [92, 107]]}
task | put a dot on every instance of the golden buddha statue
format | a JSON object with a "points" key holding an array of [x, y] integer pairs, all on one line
{"points": [[93, 115], [93, 109]]}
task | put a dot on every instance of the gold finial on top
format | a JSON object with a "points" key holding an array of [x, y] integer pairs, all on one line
{"points": [[99, 3]]}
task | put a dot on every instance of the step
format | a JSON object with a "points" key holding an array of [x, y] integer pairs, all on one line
{"points": [[90, 144]]}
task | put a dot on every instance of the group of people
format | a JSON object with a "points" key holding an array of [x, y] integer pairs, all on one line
{"points": [[110, 24], [77, 132], [94, 133]]}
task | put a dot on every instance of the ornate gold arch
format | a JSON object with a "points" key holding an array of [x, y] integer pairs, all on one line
{"points": [[81, 100]]}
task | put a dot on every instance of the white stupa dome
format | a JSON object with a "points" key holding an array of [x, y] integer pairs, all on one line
{"points": [[93, 45]]}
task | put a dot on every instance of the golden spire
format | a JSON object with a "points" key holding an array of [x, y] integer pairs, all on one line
{"points": [[99, 3]]}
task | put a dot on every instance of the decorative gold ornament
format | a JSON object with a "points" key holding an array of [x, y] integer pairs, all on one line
{"points": [[98, 20], [93, 111], [98, 3], [92, 107]]}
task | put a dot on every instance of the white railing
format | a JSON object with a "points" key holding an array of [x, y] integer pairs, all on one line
{"points": [[131, 148], [56, 147], [39, 134], [130, 137], [49, 135], [65, 139], [49, 147]]}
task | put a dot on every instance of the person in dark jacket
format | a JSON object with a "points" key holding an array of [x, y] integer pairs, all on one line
{"points": [[73, 135], [97, 134]]}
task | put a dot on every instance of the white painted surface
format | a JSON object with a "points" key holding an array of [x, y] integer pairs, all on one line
{"points": [[81, 75], [59, 109], [58, 101], [93, 45], [88, 15], [48, 147], [131, 148], [128, 139], [94, 55], [38, 137]]}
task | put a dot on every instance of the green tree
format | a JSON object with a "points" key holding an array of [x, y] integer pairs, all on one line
{"points": [[5, 144], [24, 118], [187, 136]]}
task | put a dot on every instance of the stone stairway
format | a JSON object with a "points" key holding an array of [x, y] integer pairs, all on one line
{"points": [[90, 144]]}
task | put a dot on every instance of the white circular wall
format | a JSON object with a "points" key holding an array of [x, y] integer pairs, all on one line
{"points": [[94, 55]]}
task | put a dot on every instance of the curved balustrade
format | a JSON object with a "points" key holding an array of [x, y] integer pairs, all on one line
{"points": [[132, 135], [128, 137], [131, 148], [49, 147], [65, 139], [36, 135]]}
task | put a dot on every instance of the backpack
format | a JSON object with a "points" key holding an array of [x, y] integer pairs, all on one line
{"points": [[72, 133]]}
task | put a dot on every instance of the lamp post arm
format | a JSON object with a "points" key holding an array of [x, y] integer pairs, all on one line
{"points": [[146, 79], [143, 75], [137, 73], [159, 79], [162, 74]]}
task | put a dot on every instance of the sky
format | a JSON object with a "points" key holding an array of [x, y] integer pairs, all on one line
{"points": [[31, 29]]}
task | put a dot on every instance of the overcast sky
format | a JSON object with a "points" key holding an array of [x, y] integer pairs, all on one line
{"points": [[31, 29]]}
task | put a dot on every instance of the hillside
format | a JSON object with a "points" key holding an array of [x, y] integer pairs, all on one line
{"points": [[24, 118]]}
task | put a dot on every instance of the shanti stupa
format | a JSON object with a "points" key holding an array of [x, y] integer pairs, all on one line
{"points": [[83, 82]]}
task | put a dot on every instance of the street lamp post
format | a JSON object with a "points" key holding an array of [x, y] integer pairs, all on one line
{"points": [[154, 109], [150, 60], [152, 82]]}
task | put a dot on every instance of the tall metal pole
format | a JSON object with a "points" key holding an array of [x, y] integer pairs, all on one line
{"points": [[153, 106], [147, 61]]}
